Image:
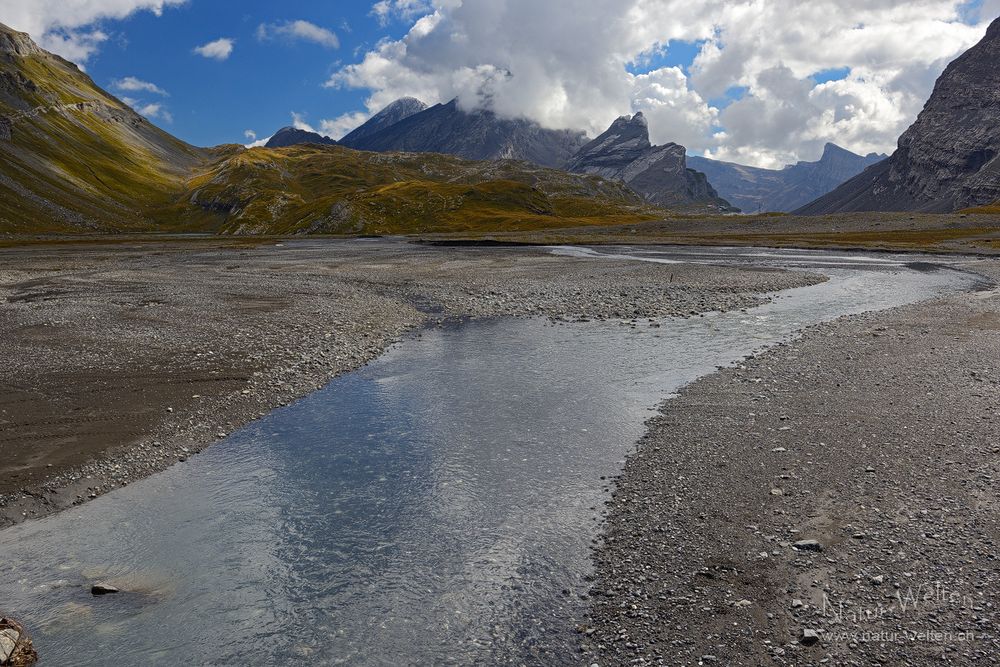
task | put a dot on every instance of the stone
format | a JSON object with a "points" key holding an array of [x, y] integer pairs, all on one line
{"points": [[809, 637], [102, 589], [807, 545]]}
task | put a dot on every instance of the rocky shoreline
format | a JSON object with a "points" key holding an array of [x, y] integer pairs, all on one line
{"points": [[830, 501], [124, 359]]}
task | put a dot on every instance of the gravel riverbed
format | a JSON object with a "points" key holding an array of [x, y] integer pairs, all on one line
{"points": [[122, 359], [831, 501]]}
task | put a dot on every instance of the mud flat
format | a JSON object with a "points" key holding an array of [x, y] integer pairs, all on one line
{"points": [[122, 359], [831, 501]]}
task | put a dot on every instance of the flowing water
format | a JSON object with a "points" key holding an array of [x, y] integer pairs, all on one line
{"points": [[434, 507]]}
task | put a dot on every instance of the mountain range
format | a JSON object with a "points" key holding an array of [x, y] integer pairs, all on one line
{"points": [[754, 189], [474, 135], [74, 158], [949, 159]]}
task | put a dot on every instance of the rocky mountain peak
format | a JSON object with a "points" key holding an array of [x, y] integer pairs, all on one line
{"points": [[950, 157], [16, 43], [659, 173]]}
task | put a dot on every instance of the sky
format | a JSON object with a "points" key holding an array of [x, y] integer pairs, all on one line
{"points": [[761, 82]]}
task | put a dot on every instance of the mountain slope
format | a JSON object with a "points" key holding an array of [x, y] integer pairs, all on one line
{"points": [[474, 135], [659, 173], [321, 189], [399, 110], [753, 189], [72, 157], [292, 136], [75, 159], [950, 157]]}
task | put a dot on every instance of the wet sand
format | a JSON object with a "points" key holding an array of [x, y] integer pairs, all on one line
{"points": [[122, 359]]}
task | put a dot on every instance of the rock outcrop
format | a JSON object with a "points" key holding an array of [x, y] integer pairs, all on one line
{"points": [[753, 189], [949, 158], [293, 136], [474, 135], [399, 110], [659, 173], [16, 649]]}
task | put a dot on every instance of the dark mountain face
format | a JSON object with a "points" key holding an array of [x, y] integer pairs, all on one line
{"points": [[474, 135], [753, 189], [950, 157], [399, 110], [291, 136], [659, 173]]}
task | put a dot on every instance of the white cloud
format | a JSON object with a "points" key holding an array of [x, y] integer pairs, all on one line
{"points": [[155, 110], [341, 125], [387, 10], [299, 123], [303, 30], [254, 142], [570, 67], [66, 27], [134, 85], [220, 49]]}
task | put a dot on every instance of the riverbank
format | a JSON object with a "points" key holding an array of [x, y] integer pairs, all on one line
{"points": [[831, 501], [121, 360]]}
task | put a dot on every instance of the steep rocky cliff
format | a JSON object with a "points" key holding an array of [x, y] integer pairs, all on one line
{"points": [[950, 157], [658, 173], [753, 189]]}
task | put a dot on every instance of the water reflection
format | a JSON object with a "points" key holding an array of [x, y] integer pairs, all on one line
{"points": [[430, 508]]}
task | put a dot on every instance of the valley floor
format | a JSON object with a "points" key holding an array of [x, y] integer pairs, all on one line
{"points": [[120, 360], [877, 436]]}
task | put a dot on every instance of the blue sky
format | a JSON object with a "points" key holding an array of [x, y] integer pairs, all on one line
{"points": [[261, 82], [774, 81]]}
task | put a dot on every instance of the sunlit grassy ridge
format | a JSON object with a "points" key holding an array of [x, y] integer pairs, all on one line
{"points": [[74, 159], [335, 190]]}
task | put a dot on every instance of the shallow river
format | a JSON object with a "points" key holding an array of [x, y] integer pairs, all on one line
{"points": [[434, 507]]}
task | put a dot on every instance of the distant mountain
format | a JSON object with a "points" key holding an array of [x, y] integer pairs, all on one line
{"points": [[474, 135], [73, 157], [950, 157], [753, 189], [399, 110], [292, 136], [659, 173]]}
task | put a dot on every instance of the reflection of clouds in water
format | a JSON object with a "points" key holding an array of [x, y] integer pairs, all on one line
{"points": [[431, 506]]}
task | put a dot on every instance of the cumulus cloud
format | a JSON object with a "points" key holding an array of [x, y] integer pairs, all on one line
{"points": [[337, 127], [220, 49], [299, 122], [253, 141], [134, 85], [387, 10], [298, 30], [151, 110], [575, 67], [66, 27]]}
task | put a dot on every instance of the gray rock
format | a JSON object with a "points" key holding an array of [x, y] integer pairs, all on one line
{"points": [[950, 157], [809, 637], [807, 545], [658, 173], [102, 589]]}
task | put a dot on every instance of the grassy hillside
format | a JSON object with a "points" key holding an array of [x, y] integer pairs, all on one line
{"points": [[72, 157], [336, 190]]}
